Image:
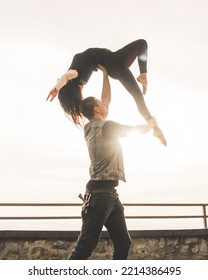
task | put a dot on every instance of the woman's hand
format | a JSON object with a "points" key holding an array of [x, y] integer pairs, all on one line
{"points": [[65, 78], [52, 94]]}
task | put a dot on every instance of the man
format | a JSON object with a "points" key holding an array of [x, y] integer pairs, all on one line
{"points": [[101, 204]]}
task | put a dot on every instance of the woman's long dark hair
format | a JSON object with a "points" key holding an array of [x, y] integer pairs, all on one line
{"points": [[70, 97]]}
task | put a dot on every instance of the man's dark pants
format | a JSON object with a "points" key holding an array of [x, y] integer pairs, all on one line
{"points": [[103, 209]]}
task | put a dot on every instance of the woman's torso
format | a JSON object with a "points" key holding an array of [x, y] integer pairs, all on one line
{"points": [[87, 62]]}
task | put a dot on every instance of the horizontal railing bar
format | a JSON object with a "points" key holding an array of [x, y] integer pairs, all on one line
{"points": [[41, 218], [39, 204], [79, 217], [125, 204], [202, 205], [164, 204], [165, 217]]}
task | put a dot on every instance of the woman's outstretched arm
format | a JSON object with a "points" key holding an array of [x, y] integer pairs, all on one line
{"points": [[65, 78]]}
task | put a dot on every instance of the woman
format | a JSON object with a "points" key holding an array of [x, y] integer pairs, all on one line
{"points": [[69, 86]]}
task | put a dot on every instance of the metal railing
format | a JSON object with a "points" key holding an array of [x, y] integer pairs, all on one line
{"points": [[202, 216]]}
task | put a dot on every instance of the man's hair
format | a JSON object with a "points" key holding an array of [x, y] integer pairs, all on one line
{"points": [[87, 106]]}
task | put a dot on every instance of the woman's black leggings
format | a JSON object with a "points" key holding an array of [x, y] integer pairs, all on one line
{"points": [[117, 64]]}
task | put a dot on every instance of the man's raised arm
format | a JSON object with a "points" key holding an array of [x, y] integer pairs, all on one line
{"points": [[106, 90]]}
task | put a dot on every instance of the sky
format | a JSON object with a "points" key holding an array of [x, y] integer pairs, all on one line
{"points": [[44, 156]]}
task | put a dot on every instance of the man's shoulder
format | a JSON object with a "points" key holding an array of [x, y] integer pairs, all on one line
{"points": [[100, 123], [94, 123], [110, 123]]}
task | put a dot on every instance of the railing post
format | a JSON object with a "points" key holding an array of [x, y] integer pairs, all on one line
{"points": [[205, 216]]}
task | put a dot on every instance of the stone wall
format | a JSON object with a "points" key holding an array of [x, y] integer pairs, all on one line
{"points": [[174, 245]]}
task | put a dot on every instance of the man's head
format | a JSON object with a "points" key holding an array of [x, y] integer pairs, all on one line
{"points": [[91, 107]]}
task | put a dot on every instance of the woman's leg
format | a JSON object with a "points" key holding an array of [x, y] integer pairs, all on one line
{"points": [[126, 55], [129, 82], [123, 58], [117, 65]]}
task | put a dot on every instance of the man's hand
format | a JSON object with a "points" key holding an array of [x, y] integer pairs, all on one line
{"points": [[147, 127], [52, 94], [152, 122], [102, 68]]}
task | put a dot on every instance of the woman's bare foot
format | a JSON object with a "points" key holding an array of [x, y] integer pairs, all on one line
{"points": [[157, 132], [143, 80]]}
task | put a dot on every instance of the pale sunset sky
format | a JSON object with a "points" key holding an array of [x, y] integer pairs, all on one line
{"points": [[44, 156]]}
